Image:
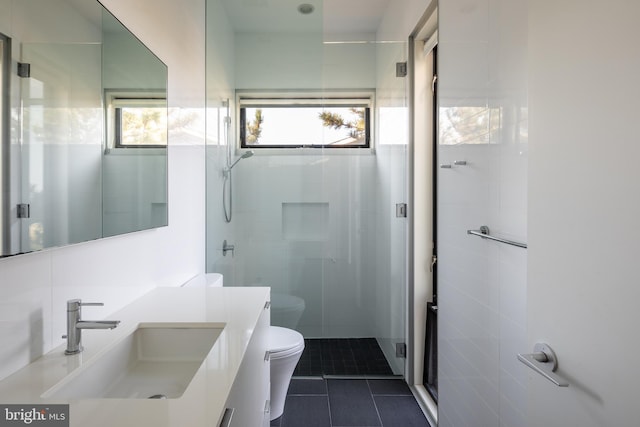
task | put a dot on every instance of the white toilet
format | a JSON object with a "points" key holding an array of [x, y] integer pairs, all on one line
{"points": [[285, 349]]}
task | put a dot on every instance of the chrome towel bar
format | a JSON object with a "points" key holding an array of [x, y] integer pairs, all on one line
{"points": [[484, 233]]}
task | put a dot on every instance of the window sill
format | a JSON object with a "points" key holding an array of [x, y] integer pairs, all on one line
{"points": [[308, 151], [136, 151]]}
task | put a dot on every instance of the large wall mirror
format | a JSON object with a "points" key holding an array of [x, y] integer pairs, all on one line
{"points": [[83, 124]]}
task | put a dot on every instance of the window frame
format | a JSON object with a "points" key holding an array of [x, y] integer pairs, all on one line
{"points": [[310, 98]]}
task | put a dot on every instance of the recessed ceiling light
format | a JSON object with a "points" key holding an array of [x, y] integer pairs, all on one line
{"points": [[306, 8]]}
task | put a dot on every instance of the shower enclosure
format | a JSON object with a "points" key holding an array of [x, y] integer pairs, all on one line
{"points": [[321, 223]]}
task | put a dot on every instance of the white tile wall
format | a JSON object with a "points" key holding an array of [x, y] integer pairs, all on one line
{"points": [[482, 284], [326, 271]]}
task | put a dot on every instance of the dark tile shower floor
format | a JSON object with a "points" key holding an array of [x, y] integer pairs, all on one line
{"points": [[349, 402], [342, 356]]}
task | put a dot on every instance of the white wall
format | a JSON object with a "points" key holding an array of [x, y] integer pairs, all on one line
{"points": [[482, 284], [302, 61], [400, 19], [329, 265], [34, 287]]}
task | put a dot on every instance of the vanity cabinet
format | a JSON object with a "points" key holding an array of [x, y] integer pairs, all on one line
{"points": [[249, 396]]}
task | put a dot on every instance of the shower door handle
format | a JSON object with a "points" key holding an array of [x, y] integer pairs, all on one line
{"points": [[543, 360]]}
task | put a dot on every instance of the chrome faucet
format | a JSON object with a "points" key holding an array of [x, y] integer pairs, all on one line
{"points": [[75, 325]]}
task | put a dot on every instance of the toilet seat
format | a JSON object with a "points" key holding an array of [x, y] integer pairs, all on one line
{"points": [[284, 342]]}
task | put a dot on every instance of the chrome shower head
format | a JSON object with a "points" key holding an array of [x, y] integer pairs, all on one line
{"points": [[246, 155]]}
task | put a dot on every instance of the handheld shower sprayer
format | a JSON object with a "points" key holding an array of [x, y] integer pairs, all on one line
{"points": [[227, 178], [246, 155]]}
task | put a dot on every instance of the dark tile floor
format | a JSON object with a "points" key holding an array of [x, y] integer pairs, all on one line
{"points": [[342, 356], [350, 403]]}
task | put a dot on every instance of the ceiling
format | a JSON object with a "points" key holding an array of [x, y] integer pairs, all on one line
{"points": [[329, 17]]}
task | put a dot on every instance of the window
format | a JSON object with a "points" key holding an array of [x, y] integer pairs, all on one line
{"points": [[294, 122], [136, 119]]}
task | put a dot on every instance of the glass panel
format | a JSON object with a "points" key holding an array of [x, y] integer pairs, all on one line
{"points": [[389, 233], [62, 144], [315, 223]]}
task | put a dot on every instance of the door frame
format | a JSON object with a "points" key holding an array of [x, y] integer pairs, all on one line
{"points": [[422, 207]]}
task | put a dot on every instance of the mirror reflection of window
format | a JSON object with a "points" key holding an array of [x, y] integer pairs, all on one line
{"points": [[140, 123], [136, 119]]}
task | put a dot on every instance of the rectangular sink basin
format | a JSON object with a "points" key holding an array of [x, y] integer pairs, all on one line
{"points": [[155, 361]]}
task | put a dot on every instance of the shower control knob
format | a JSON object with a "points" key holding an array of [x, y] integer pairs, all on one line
{"points": [[226, 248]]}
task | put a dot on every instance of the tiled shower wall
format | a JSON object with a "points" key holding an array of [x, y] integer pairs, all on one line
{"points": [[482, 284]]}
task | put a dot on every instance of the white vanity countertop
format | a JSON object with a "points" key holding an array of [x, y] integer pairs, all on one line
{"points": [[202, 404]]}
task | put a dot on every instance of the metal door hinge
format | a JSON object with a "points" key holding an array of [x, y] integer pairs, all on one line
{"points": [[401, 350], [23, 210], [434, 261], [24, 69], [401, 69], [401, 210], [434, 82]]}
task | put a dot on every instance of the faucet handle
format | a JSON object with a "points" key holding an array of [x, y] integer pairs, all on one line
{"points": [[75, 304]]}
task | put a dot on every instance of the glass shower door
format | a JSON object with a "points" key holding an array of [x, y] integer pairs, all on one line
{"points": [[316, 224], [390, 235]]}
